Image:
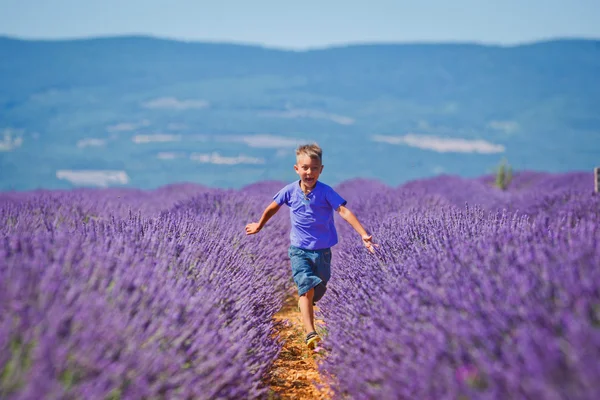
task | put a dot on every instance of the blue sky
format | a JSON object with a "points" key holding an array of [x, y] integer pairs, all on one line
{"points": [[306, 23]]}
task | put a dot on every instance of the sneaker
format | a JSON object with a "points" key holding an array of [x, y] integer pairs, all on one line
{"points": [[312, 339]]}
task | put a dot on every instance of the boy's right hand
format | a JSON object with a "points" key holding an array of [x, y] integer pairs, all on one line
{"points": [[252, 228]]}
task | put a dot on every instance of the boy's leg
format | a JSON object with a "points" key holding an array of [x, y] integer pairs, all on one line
{"points": [[307, 310]]}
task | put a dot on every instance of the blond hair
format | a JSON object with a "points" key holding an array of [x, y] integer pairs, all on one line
{"points": [[312, 150]]}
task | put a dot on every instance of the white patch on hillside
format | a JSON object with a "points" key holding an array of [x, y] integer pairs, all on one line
{"points": [[264, 141], [90, 142], [441, 144], [216, 158], [10, 140], [172, 103], [100, 178], [156, 138], [307, 113], [127, 126], [504, 126], [169, 155]]}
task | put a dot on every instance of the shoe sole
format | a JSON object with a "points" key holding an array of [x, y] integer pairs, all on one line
{"points": [[312, 342]]}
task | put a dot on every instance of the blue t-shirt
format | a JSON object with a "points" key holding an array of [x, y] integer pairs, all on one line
{"points": [[312, 215]]}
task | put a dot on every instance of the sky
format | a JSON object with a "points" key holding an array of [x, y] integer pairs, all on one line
{"points": [[307, 23]]}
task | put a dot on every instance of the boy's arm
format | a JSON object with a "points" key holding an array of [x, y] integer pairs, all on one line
{"points": [[349, 217], [255, 227]]}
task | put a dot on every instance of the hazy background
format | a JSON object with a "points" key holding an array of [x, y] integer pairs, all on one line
{"points": [[305, 24], [146, 93]]}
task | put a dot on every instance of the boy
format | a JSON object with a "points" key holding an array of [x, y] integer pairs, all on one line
{"points": [[313, 231]]}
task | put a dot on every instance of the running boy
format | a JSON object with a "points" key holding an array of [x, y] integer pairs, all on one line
{"points": [[313, 231]]}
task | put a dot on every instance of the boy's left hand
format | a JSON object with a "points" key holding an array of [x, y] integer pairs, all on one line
{"points": [[367, 240], [252, 228]]}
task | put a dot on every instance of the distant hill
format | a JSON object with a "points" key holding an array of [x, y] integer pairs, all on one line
{"points": [[145, 112]]}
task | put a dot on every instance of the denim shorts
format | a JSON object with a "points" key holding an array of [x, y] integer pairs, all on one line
{"points": [[311, 269]]}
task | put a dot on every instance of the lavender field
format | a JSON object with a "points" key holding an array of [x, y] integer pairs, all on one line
{"points": [[109, 294], [474, 293]]}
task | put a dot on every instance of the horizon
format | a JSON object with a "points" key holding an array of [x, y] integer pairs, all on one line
{"points": [[324, 47], [307, 25]]}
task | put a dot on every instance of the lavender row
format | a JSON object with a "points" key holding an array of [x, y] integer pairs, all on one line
{"points": [[474, 293], [131, 294]]}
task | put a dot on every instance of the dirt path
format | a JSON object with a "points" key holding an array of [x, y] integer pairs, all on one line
{"points": [[294, 374]]}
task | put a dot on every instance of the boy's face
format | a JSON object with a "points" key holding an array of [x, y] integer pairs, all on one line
{"points": [[309, 170]]}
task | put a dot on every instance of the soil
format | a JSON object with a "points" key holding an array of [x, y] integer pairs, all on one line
{"points": [[295, 373]]}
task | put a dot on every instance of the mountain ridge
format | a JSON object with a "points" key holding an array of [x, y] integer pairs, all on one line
{"points": [[416, 110], [119, 37]]}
